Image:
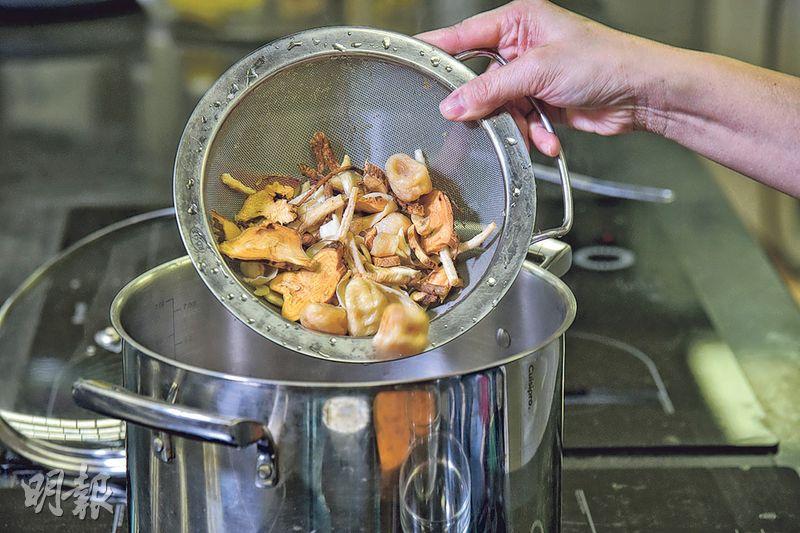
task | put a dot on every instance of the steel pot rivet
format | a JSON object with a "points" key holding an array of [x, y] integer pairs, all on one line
{"points": [[158, 444], [503, 338], [264, 471]]}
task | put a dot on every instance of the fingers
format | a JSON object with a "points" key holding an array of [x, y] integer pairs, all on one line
{"points": [[521, 120], [480, 96], [546, 142], [479, 31], [543, 140]]}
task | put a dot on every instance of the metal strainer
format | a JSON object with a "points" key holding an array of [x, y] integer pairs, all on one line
{"points": [[374, 93]]}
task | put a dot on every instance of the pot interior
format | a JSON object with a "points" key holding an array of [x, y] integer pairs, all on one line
{"points": [[170, 314]]}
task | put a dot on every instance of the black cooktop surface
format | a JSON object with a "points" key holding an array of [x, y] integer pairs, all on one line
{"points": [[645, 370], [762, 500]]}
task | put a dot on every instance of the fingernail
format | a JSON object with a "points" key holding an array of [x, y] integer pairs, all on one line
{"points": [[452, 107]]}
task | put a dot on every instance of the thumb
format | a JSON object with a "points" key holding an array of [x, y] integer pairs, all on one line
{"points": [[479, 97]]}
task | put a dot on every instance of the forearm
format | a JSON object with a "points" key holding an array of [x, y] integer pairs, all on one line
{"points": [[744, 117]]}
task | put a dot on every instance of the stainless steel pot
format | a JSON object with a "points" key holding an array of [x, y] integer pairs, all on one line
{"points": [[230, 432]]}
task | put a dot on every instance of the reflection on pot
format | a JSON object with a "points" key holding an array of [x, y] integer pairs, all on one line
{"points": [[435, 486]]}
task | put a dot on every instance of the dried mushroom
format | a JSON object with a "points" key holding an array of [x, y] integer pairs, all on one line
{"points": [[315, 285], [365, 302], [236, 185], [224, 229], [436, 228], [375, 178], [257, 273], [436, 283], [403, 330], [315, 214], [478, 239], [390, 261], [416, 248], [267, 242], [323, 153], [372, 203], [384, 244], [346, 251], [393, 223], [399, 275], [408, 178], [324, 318], [269, 295], [267, 204]]}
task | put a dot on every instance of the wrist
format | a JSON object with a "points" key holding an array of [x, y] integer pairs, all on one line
{"points": [[661, 78]]}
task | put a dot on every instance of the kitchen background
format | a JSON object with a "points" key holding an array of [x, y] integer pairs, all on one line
{"points": [[54, 78]]}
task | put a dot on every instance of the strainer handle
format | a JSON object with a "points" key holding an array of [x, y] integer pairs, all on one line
{"points": [[566, 189]]}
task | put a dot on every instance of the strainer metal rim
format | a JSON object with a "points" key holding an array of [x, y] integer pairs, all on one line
{"points": [[212, 110]]}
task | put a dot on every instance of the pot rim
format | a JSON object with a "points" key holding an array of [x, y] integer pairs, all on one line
{"points": [[127, 292]]}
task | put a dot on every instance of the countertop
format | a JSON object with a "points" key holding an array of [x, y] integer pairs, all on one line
{"points": [[91, 113]]}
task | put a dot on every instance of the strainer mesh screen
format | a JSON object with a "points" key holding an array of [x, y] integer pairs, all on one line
{"points": [[369, 108]]}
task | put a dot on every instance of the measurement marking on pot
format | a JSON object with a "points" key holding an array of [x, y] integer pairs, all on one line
{"points": [[583, 504]]}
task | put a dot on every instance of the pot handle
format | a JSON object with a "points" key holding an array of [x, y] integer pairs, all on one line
{"points": [[553, 255], [566, 188], [117, 402]]}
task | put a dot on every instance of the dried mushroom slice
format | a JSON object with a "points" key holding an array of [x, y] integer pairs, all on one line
{"points": [[323, 153], [436, 228], [314, 215], [283, 185], [375, 179], [424, 299], [324, 318], [371, 203], [413, 208], [266, 204], [360, 224], [420, 255], [408, 178], [269, 295], [309, 172], [315, 285], [267, 242], [399, 275], [393, 223], [257, 273], [478, 239], [386, 262], [385, 244], [224, 229], [365, 302], [403, 330], [235, 184], [436, 283]]}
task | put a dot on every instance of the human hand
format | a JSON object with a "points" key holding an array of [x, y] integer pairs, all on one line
{"points": [[588, 76]]}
